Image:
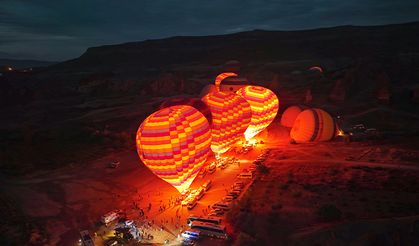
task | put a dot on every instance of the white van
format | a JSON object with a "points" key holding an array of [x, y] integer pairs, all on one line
{"points": [[111, 216]]}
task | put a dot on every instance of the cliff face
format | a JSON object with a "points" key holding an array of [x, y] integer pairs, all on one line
{"points": [[135, 67], [254, 46]]}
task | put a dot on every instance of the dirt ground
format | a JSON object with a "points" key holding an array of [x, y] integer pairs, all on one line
{"points": [[334, 184], [308, 187]]}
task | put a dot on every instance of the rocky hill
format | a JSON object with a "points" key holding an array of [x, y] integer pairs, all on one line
{"points": [[100, 98]]}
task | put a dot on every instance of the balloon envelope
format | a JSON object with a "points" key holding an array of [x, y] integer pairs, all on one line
{"points": [[231, 116], [191, 101], [290, 114], [264, 105], [207, 89], [221, 77], [313, 125], [174, 143]]}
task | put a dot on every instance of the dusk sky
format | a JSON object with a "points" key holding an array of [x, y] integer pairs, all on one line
{"points": [[60, 30]]}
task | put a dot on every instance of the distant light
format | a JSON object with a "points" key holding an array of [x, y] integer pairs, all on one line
{"points": [[9, 68]]}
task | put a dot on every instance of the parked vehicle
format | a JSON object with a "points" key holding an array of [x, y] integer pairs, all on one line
{"points": [[212, 167], [206, 219], [191, 234], [229, 198], [207, 185], [247, 175], [86, 239], [221, 205], [111, 216], [209, 229], [191, 204]]}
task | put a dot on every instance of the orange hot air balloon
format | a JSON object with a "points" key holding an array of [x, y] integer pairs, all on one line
{"points": [[221, 77], [174, 143], [313, 125], [290, 114], [191, 101], [264, 105], [231, 116]]}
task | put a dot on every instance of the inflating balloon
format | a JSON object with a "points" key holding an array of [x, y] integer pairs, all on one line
{"points": [[290, 114], [231, 115], [174, 143], [313, 125], [191, 101], [264, 105], [207, 89]]}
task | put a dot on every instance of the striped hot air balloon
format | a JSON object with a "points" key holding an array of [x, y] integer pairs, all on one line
{"points": [[174, 143], [231, 116], [221, 77], [264, 105], [191, 101], [313, 125]]}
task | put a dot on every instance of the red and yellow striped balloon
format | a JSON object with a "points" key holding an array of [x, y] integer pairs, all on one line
{"points": [[191, 101], [231, 116], [264, 105], [221, 77], [174, 143]]}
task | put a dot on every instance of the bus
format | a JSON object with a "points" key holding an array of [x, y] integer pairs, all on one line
{"points": [[206, 219], [209, 229]]}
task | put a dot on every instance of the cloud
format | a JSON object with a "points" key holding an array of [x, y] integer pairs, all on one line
{"points": [[57, 30]]}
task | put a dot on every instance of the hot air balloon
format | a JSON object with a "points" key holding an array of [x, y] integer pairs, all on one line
{"points": [[316, 68], [264, 105], [207, 89], [231, 116], [191, 101], [290, 114], [221, 77], [313, 125], [174, 143]]}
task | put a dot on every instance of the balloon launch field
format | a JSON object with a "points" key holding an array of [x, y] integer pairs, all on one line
{"points": [[307, 190]]}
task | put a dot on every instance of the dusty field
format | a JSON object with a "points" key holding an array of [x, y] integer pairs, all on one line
{"points": [[315, 186]]}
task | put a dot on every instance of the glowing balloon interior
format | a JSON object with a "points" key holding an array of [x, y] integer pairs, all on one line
{"points": [[231, 115], [174, 143], [264, 105]]}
